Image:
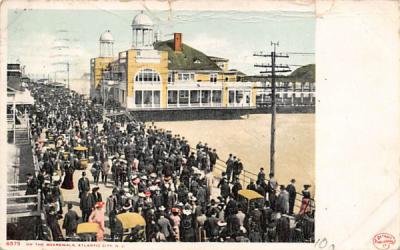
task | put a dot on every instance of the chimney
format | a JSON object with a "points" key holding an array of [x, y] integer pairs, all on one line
{"points": [[178, 42]]}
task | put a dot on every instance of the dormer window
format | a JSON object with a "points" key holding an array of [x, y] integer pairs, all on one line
{"points": [[213, 77], [196, 61], [185, 76]]}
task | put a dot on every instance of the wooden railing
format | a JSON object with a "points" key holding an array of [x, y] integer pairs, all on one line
{"points": [[21, 205]]}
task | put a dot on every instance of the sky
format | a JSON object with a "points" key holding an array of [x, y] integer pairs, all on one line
{"points": [[35, 36]]}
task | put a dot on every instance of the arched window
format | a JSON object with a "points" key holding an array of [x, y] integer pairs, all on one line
{"points": [[147, 76]]}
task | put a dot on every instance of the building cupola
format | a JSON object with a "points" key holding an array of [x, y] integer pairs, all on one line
{"points": [[142, 32]]}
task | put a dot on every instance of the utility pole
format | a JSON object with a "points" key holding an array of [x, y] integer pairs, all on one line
{"points": [[273, 70]]}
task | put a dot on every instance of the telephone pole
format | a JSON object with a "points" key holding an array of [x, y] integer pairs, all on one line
{"points": [[272, 69]]}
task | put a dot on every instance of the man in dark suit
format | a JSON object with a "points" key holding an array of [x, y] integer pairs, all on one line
{"points": [[165, 226], [213, 158], [237, 169], [86, 205], [261, 176], [212, 229], [31, 185], [70, 221], [292, 195], [83, 184], [95, 195]]}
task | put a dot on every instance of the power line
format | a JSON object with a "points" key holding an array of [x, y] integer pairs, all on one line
{"points": [[300, 53]]}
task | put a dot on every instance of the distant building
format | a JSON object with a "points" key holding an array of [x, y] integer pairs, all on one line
{"points": [[166, 74]]}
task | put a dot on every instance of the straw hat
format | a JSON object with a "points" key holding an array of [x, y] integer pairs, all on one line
{"points": [[222, 223], [187, 212]]}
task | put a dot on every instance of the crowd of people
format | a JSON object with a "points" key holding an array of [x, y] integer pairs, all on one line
{"points": [[151, 172]]}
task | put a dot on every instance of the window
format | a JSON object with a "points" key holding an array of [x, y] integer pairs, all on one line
{"points": [[231, 98], [216, 96], [247, 95], [147, 76], [286, 88], [205, 96], [147, 98], [171, 77], [138, 98], [239, 96], [312, 86], [172, 97], [156, 97], [196, 61], [194, 96], [183, 96], [186, 76], [213, 77]]}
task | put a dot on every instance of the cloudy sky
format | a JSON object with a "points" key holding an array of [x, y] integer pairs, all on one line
{"points": [[35, 36]]}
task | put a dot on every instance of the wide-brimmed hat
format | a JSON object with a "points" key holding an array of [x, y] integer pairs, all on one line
{"points": [[141, 194], [162, 208], [222, 223], [127, 207], [153, 175], [187, 211]]}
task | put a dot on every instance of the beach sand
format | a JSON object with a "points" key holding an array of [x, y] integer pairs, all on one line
{"points": [[249, 140]]}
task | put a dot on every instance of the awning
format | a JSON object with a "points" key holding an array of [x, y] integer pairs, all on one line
{"points": [[20, 98]]}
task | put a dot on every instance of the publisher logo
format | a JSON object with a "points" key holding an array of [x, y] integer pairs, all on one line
{"points": [[383, 241]]}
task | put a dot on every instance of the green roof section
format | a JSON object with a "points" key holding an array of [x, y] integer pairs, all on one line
{"points": [[188, 59], [304, 73]]}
